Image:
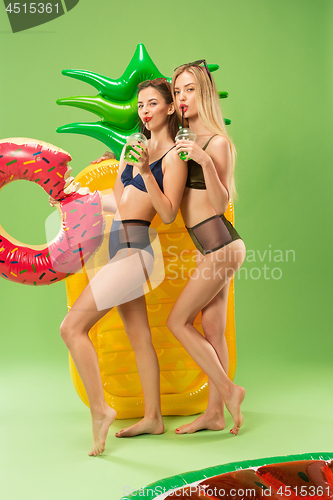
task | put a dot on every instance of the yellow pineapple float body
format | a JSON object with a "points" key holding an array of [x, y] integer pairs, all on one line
{"points": [[184, 386]]}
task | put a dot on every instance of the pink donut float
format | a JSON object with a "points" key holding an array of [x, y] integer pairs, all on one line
{"points": [[82, 221]]}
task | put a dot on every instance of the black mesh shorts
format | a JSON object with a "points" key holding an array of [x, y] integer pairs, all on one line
{"points": [[212, 234], [132, 233]]}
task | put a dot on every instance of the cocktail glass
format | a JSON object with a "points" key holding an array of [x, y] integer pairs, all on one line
{"points": [[136, 139], [188, 134]]}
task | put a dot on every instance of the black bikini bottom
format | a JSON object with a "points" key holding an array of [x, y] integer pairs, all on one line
{"points": [[131, 233], [212, 234]]}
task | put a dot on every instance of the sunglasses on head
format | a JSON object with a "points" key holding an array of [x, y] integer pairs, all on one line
{"points": [[198, 63], [156, 81]]}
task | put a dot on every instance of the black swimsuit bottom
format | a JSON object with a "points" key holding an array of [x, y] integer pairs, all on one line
{"points": [[130, 233], [212, 234]]}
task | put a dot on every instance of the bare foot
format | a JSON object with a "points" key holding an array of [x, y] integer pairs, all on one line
{"points": [[205, 421], [233, 404], [100, 425], [145, 426]]}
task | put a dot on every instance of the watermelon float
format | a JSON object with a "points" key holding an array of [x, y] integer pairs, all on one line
{"points": [[296, 477]]}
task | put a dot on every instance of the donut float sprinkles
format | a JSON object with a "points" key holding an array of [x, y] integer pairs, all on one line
{"points": [[82, 221]]}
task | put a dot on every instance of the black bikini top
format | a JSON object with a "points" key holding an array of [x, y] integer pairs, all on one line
{"points": [[195, 176], [137, 181]]}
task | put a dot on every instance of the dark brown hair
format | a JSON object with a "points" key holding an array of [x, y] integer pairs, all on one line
{"points": [[163, 88]]}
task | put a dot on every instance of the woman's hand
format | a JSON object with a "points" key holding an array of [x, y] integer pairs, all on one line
{"points": [[108, 155], [142, 155], [194, 151]]}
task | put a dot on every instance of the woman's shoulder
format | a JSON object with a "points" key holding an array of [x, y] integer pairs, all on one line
{"points": [[219, 140], [171, 159], [218, 144], [172, 149], [171, 154]]}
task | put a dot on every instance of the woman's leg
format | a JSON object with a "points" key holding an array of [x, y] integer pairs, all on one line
{"points": [[135, 319], [213, 323], [211, 275], [109, 287]]}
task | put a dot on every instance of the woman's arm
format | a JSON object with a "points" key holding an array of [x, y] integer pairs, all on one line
{"points": [[109, 202], [216, 168], [217, 173], [175, 172]]}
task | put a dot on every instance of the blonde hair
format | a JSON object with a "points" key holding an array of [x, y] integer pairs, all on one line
{"points": [[209, 110]]}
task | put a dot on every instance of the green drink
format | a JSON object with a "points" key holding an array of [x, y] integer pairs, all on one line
{"points": [[138, 140], [183, 155], [128, 156], [189, 135]]}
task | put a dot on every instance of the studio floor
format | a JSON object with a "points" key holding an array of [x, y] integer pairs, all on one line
{"points": [[45, 433]]}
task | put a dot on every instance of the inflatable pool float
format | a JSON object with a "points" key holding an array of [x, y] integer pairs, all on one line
{"points": [[293, 477], [80, 211], [116, 103], [184, 387]]}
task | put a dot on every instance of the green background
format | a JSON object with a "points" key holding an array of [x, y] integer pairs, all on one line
{"points": [[275, 61]]}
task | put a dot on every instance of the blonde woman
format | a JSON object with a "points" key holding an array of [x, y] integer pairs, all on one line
{"points": [[209, 187]]}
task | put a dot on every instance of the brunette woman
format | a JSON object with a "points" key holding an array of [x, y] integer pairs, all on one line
{"points": [[153, 185]]}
